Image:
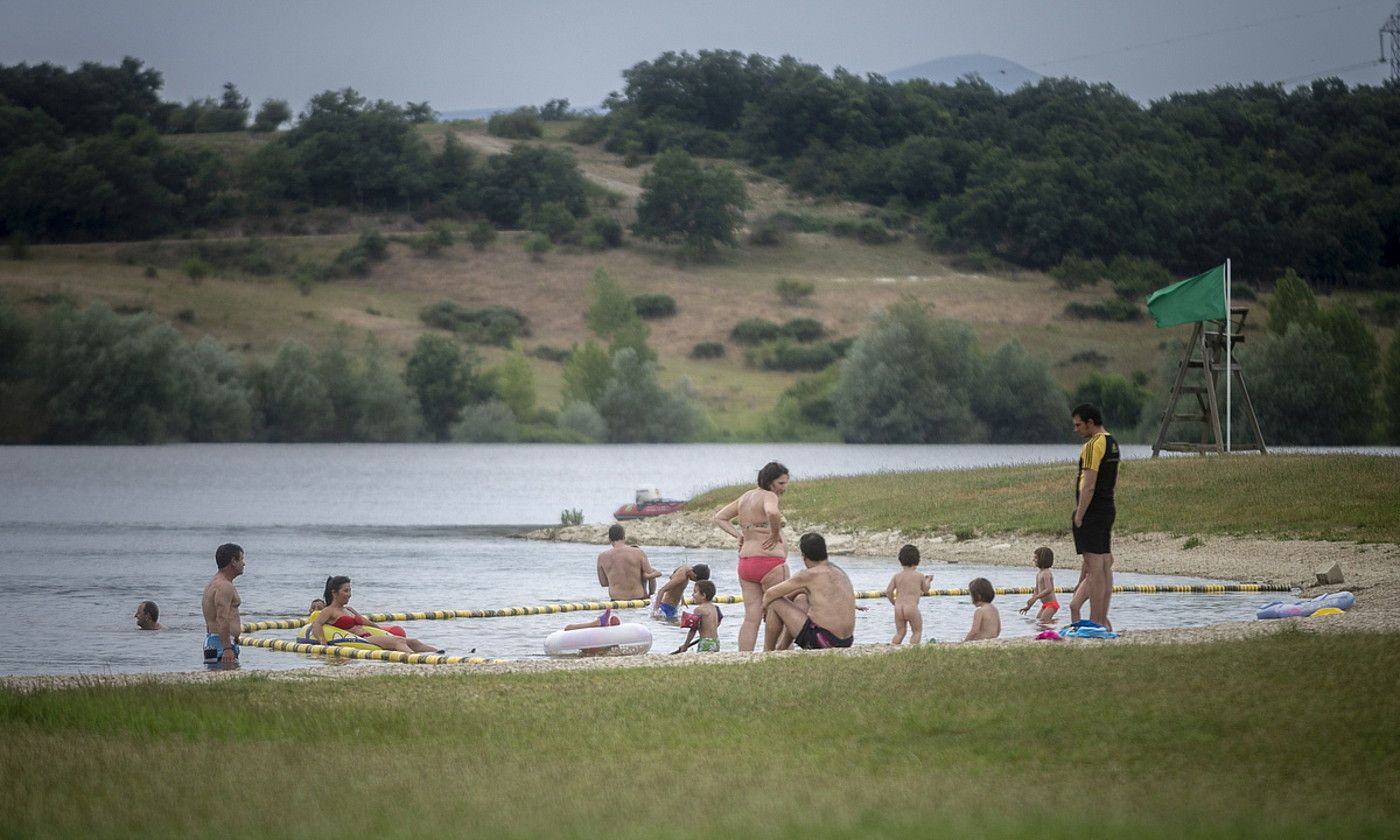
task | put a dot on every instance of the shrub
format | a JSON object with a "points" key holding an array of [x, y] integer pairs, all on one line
{"points": [[607, 229], [1135, 278], [488, 422], [792, 291], [150, 272], [767, 233], [707, 350], [588, 131], [569, 517], [493, 324], [519, 124], [654, 305], [1075, 271], [783, 354], [803, 329], [481, 235], [754, 331], [196, 269], [867, 231], [553, 220], [583, 419], [549, 354], [1110, 310], [537, 245], [185, 316]]}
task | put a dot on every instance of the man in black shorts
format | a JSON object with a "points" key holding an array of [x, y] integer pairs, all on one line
{"points": [[1094, 514], [829, 619]]}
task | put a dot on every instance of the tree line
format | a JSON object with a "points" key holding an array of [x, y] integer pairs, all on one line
{"points": [[1272, 178]]}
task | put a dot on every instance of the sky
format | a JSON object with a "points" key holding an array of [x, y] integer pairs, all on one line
{"points": [[505, 53]]}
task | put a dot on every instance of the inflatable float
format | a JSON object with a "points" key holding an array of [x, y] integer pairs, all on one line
{"points": [[1333, 602], [337, 636], [614, 640]]}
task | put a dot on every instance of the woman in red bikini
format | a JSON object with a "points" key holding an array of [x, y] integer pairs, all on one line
{"points": [[338, 613], [762, 552]]}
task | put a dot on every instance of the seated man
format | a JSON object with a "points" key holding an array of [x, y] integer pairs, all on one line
{"points": [[666, 607], [829, 618]]}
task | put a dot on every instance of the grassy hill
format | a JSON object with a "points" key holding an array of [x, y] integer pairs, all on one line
{"points": [[255, 313]]}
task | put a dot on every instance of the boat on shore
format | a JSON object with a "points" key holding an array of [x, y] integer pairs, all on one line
{"points": [[649, 503]]}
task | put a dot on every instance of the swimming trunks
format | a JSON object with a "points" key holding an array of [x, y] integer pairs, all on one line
{"points": [[214, 649], [1050, 605], [816, 637], [1095, 536], [668, 611], [708, 646], [754, 569]]}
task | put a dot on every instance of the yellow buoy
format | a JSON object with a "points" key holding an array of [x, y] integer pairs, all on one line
{"points": [[1328, 611]]}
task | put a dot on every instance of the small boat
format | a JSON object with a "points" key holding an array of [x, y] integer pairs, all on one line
{"points": [[649, 503]]}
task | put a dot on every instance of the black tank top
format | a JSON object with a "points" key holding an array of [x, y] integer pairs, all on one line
{"points": [[1100, 453]]}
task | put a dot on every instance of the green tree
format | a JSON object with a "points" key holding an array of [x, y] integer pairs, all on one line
{"points": [[515, 381], [1303, 390], [611, 308], [537, 245], [1120, 401], [388, 411], [586, 373], [910, 379], [219, 402], [583, 419], [1018, 399], [445, 380], [1293, 303], [1390, 389], [488, 422], [481, 235], [637, 410], [272, 114], [15, 333], [294, 404], [702, 208], [633, 336]]}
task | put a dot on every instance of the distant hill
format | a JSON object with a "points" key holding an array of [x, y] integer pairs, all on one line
{"points": [[1000, 73]]}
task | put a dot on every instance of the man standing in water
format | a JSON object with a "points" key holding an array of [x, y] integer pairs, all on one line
{"points": [[1094, 514], [220, 605], [624, 569], [829, 619]]}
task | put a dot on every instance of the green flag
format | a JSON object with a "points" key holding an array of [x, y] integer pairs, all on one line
{"points": [[1200, 298]]}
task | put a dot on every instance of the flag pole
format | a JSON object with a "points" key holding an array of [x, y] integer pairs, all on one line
{"points": [[1229, 356]]}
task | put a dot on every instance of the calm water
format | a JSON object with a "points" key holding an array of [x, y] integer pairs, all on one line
{"points": [[87, 532]]}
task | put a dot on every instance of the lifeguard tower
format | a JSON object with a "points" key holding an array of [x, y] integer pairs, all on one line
{"points": [[1209, 353]]}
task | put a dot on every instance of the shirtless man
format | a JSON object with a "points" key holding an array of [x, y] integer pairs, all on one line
{"points": [[669, 594], [624, 569], [148, 616], [220, 605], [829, 618]]}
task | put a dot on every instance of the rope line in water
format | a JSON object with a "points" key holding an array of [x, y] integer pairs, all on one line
{"points": [[345, 652]]}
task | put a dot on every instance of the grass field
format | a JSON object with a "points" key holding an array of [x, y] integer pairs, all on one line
{"points": [[1054, 741], [1352, 497]]}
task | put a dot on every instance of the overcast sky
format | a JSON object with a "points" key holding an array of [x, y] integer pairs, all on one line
{"points": [[470, 54]]}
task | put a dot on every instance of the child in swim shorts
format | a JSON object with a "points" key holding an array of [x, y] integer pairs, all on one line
{"points": [[704, 621], [1043, 559]]}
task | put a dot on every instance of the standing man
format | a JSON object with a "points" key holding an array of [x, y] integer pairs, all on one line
{"points": [[624, 569], [829, 618], [220, 605], [1094, 514], [669, 595]]}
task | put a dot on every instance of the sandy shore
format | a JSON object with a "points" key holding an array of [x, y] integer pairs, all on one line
{"points": [[1372, 572]]}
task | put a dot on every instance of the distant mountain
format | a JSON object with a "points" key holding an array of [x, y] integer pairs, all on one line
{"points": [[1000, 73]]}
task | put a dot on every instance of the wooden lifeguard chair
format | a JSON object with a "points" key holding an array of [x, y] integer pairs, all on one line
{"points": [[1209, 353]]}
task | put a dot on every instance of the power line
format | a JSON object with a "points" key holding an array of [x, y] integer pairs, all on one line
{"points": [[1331, 72], [1179, 38]]}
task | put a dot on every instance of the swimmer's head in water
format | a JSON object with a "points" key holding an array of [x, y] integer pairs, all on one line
{"points": [[333, 585], [317, 604], [909, 556], [700, 572], [813, 546], [706, 588], [616, 533], [771, 472], [1044, 558], [147, 615], [981, 591]]}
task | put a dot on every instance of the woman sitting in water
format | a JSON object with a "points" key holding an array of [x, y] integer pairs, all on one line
{"points": [[762, 552], [338, 613]]}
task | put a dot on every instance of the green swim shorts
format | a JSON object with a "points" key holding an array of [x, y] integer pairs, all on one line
{"points": [[709, 646]]}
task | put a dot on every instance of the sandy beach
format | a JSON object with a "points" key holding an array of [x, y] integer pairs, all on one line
{"points": [[1371, 570]]}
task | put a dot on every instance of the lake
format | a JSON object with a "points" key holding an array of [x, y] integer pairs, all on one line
{"points": [[87, 532]]}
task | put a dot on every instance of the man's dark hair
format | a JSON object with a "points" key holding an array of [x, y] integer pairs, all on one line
{"points": [[616, 533], [701, 571], [707, 588], [1089, 413], [227, 553], [813, 546], [909, 555], [151, 610], [981, 590], [771, 472], [1044, 558]]}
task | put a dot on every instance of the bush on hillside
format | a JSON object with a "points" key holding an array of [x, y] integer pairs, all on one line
{"points": [[754, 331], [651, 306], [494, 324]]}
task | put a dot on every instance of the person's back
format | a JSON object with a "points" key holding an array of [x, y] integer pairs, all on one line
{"points": [[986, 620], [830, 597], [624, 569], [906, 588]]}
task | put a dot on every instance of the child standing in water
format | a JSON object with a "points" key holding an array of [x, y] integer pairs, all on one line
{"points": [[1044, 587], [704, 621], [904, 591], [986, 621]]}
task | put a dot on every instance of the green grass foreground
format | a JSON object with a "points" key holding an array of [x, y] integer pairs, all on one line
{"points": [[1332, 497], [1052, 740]]}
